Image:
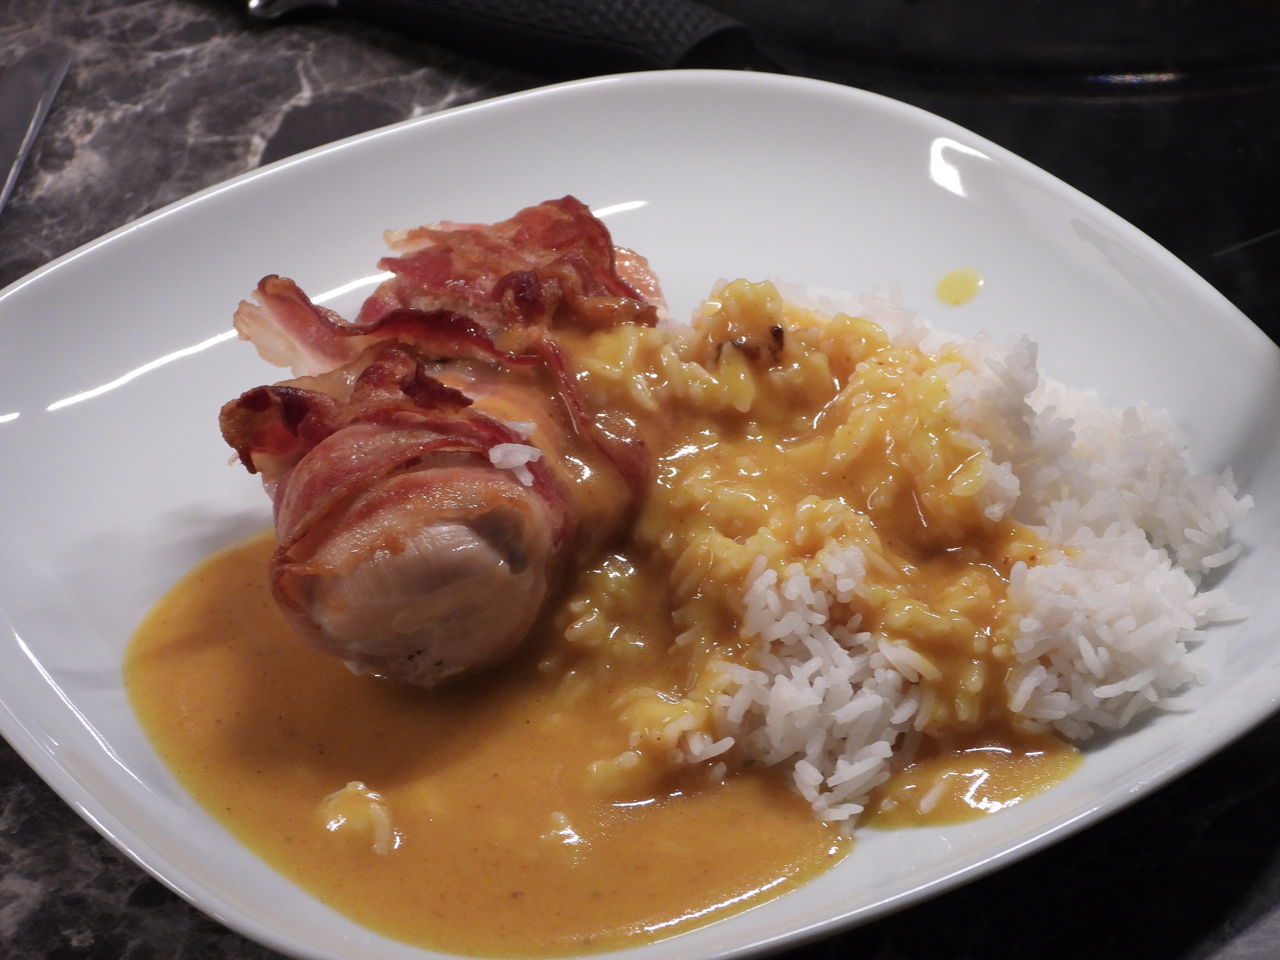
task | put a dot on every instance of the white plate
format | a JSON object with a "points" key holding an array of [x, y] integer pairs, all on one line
{"points": [[115, 359]]}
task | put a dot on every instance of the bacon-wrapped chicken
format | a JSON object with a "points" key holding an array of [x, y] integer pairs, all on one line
{"points": [[434, 469]]}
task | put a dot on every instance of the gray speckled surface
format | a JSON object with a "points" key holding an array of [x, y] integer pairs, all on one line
{"points": [[168, 96], [164, 98]]}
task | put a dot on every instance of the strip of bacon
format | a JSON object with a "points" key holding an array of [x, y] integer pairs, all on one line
{"points": [[291, 331], [550, 264]]}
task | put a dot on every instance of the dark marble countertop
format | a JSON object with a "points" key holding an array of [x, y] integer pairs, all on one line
{"points": [[165, 98]]}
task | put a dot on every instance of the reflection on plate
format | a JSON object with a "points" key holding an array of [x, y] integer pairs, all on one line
{"points": [[115, 359]]}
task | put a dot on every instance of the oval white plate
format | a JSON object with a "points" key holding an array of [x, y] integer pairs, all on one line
{"points": [[115, 359]]}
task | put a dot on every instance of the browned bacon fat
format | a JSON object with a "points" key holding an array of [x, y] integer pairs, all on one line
{"points": [[434, 469]]}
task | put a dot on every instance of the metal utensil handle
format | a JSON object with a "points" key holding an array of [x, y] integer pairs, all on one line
{"points": [[27, 88]]}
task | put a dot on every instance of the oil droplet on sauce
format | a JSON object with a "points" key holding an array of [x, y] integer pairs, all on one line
{"points": [[959, 286]]}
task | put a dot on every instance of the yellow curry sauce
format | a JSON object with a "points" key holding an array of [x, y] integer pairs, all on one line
{"points": [[965, 778], [561, 798], [491, 842]]}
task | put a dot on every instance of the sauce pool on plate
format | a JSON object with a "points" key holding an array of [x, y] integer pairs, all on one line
{"points": [[970, 778], [415, 812]]}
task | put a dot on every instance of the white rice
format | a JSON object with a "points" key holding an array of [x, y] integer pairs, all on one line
{"points": [[515, 457], [1105, 625]]}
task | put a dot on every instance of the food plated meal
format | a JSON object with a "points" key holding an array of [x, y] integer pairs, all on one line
{"points": [[1097, 325], [670, 572]]}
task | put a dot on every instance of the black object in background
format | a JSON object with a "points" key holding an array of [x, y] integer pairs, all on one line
{"points": [[560, 38], [1022, 36]]}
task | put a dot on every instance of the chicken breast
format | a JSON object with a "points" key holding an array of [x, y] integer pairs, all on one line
{"points": [[407, 596]]}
